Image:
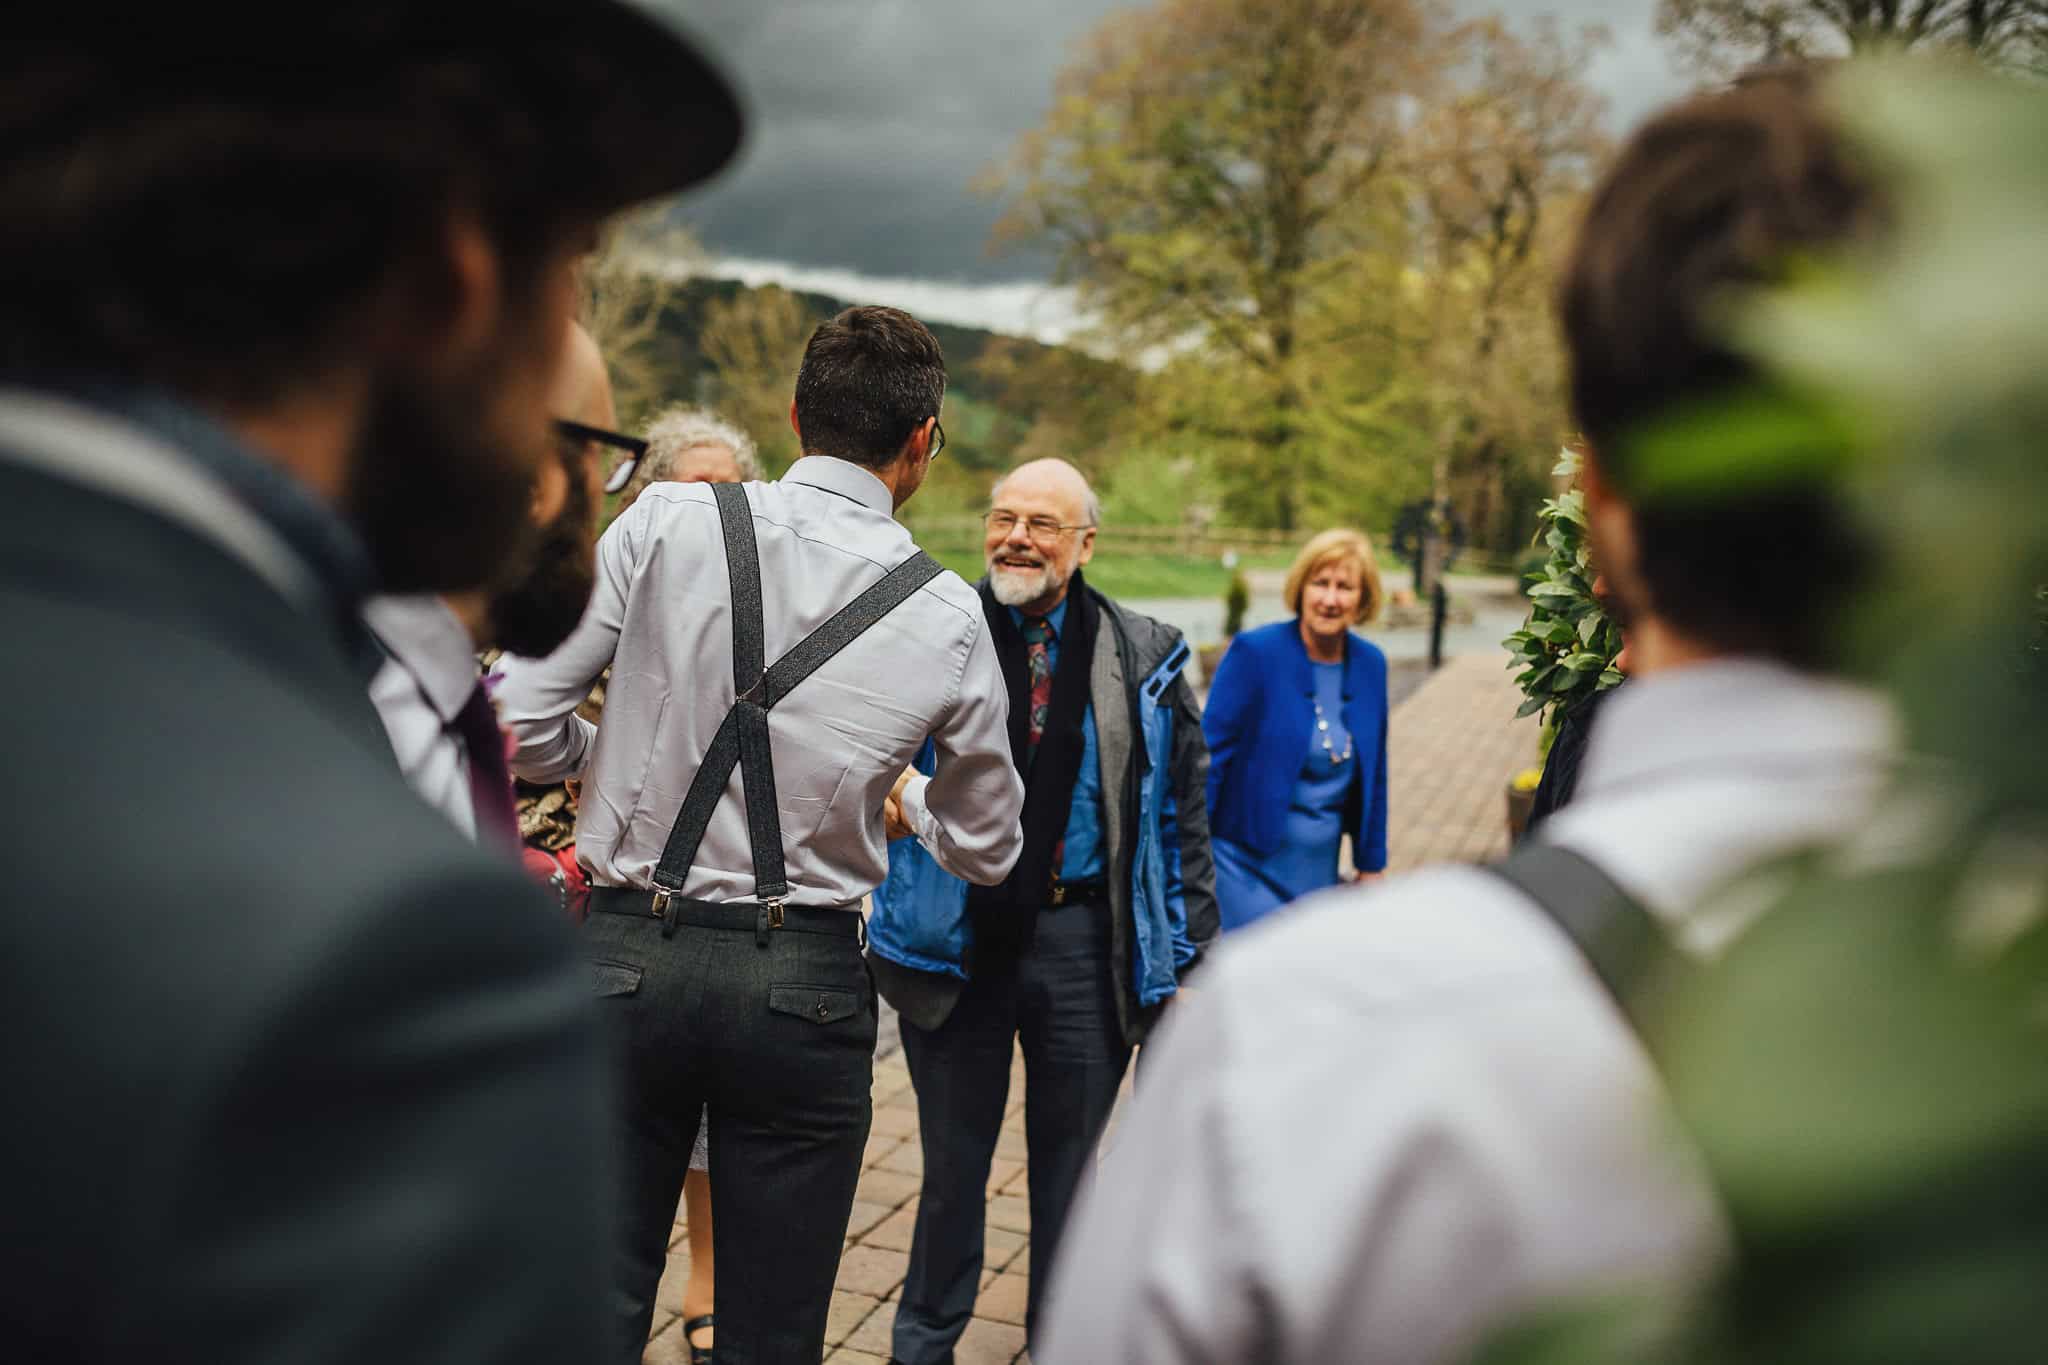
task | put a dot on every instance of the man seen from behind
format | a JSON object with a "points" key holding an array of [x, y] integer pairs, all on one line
{"points": [[778, 652]]}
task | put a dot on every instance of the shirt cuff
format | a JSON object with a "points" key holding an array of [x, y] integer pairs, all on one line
{"points": [[919, 816]]}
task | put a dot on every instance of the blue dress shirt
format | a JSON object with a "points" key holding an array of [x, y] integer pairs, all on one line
{"points": [[1082, 859]]}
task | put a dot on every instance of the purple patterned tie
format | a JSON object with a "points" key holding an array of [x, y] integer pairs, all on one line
{"points": [[1037, 633], [490, 779]]}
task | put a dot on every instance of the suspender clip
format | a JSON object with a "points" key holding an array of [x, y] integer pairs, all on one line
{"points": [[768, 917]]}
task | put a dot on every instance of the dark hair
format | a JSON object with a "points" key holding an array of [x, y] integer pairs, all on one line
{"points": [[870, 376], [220, 212], [1719, 193]]}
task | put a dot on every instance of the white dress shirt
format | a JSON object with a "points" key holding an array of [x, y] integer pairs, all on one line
{"points": [[1394, 1116], [661, 616], [425, 681]]}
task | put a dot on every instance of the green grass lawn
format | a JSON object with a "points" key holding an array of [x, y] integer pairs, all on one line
{"points": [[1134, 575]]}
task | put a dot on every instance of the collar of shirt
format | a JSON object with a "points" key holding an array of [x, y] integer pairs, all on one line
{"points": [[431, 644], [1734, 716], [845, 478], [147, 447], [1056, 618], [318, 537]]}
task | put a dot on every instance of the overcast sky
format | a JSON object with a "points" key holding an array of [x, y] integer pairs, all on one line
{"points": [[871, 118]]}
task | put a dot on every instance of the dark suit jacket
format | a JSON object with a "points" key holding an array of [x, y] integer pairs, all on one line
{"points": [[292, 1072]]}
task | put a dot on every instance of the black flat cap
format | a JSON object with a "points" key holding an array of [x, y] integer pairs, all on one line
{"points": [[664, 117], [630, 105]]}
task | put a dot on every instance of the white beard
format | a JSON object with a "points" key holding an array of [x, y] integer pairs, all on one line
{"points": [[1017, 587]]}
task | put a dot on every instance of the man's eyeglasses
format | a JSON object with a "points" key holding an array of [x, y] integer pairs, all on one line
{"points": [[633, 446], [1042, 530], [938, 440]]}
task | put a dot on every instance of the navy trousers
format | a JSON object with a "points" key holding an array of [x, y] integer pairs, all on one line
{"points": [[1059, 1002]]}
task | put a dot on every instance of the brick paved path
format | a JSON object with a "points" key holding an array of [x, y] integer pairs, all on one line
{"points": [[1451, 749]]}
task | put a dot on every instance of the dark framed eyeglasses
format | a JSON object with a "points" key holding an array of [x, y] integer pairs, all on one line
{"points": [[938, 440], [631, 446]]}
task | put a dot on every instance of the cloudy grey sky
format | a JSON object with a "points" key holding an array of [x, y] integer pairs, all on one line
{"points": [[870, 118]]}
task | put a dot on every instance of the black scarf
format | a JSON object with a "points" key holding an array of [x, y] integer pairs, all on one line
{"points": [[1003, 916]]}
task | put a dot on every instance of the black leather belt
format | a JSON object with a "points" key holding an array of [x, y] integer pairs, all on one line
{"points": [[1094, 891], [758, 916]]}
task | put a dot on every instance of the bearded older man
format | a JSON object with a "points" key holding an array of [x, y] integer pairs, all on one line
{"points": [[1108, 908]]}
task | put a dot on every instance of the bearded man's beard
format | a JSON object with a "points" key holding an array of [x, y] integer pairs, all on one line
{"points": [[441, 501], [1017, 587], [534, 612]]}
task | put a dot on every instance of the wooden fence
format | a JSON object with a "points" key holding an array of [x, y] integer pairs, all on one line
{"points": [[1190, 542]]}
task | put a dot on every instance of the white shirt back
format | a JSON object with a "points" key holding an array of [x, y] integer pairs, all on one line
{"points": [[661, 617]]}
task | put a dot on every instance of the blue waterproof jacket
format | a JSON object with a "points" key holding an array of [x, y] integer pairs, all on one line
{"points": [[1156, 840]]}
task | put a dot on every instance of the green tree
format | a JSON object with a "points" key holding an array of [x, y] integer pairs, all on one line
{"points": [[1209, 168], [753, 341], [1502, 157], [634, 278]]}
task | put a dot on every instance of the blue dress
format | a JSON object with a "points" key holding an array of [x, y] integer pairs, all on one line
{"points": [[1248, 886]]}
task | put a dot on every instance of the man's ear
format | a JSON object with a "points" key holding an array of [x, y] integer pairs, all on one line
{"points": [[1087, 547], [796, 426]]}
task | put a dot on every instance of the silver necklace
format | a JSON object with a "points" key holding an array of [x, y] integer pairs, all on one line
{"points": [[1323, 734]]}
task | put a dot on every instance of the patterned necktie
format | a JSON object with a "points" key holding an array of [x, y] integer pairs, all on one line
{"points": [[1037, 633], [490, 778]]}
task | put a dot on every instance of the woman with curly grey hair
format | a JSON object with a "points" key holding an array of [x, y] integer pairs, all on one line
{"points": [[693, 445]]}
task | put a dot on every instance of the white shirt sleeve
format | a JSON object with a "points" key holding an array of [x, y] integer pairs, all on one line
{"points": [[537, 698], [969, 813]]}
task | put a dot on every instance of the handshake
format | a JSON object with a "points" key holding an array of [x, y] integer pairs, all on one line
{"points": [[894, 822]]}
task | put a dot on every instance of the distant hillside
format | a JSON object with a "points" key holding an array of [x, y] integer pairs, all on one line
{"points": [[963, 347]]}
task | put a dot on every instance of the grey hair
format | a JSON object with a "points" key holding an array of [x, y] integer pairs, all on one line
{"points": [[682, 428], [1091, 505]]}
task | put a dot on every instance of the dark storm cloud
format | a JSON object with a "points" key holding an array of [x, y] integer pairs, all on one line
{"points": [[872, 118]]}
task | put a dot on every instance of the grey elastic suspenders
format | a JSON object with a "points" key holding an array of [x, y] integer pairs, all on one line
{"points": [[1612, 931], [742, 738]]}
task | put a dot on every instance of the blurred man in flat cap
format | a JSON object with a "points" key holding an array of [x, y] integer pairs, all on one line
{"points": [[293, 1074]]}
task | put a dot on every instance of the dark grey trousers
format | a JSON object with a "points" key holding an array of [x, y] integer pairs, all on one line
{"points": [[779, 1042], [1059, 1002]]}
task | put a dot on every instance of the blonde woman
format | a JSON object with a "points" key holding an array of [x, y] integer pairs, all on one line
{"points": [[1297, 728]]}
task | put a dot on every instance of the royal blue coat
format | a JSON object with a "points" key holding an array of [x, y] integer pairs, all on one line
{"points": [[1260, 721]]}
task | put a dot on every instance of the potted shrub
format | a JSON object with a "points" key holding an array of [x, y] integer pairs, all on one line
{"points": [[1565, 651]]}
